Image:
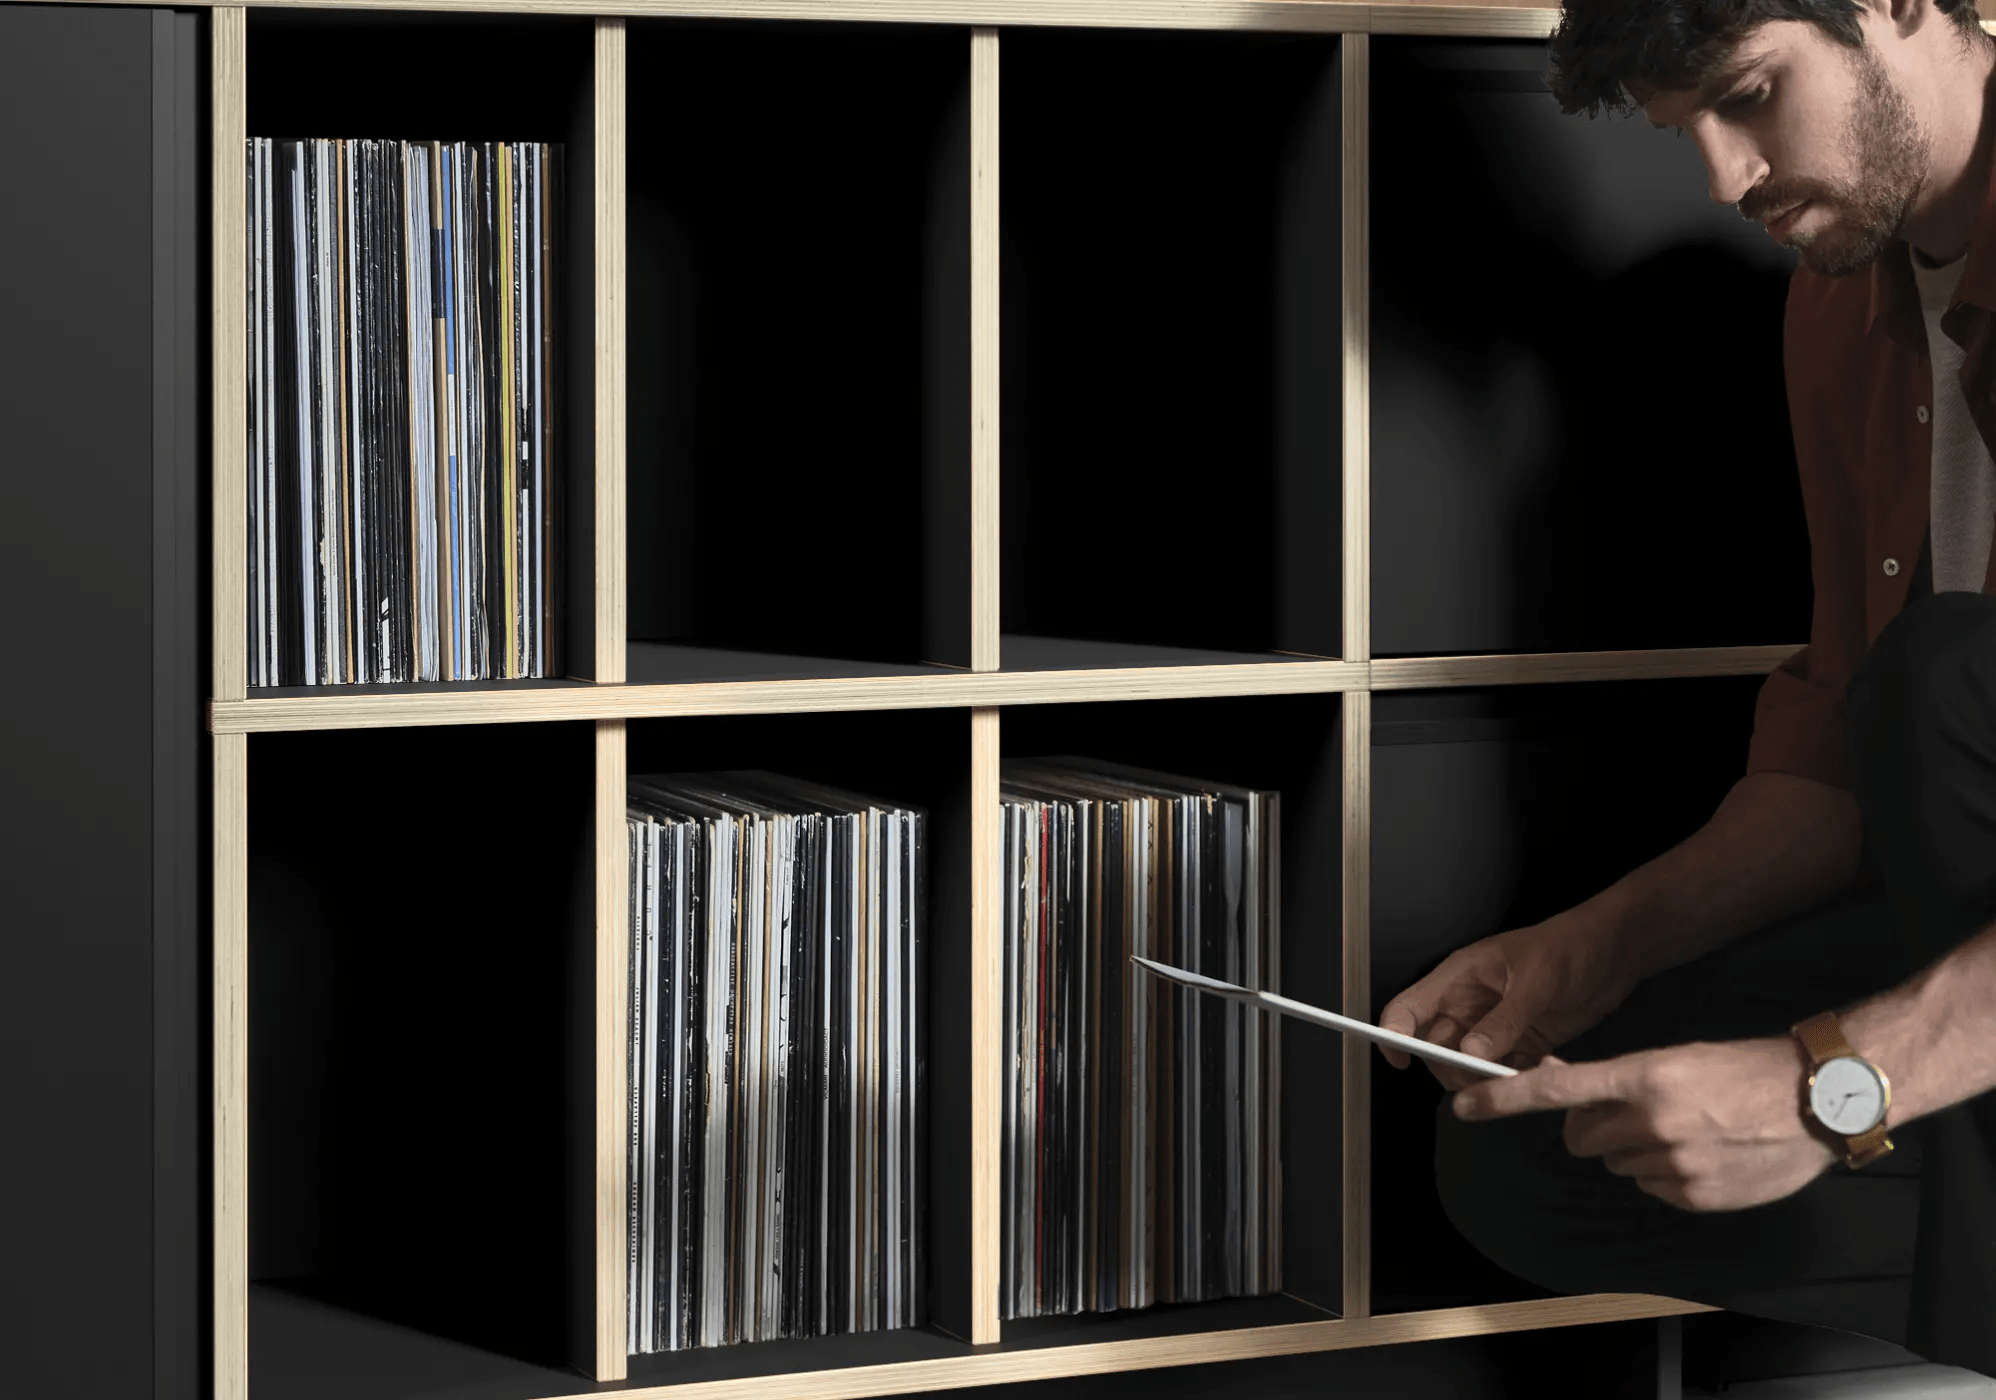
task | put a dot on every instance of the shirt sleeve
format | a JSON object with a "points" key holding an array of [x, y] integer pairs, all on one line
{"points": [[1799, 718]]}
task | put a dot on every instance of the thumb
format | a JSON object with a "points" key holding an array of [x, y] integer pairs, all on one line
{"points": [[1498, 1033]]}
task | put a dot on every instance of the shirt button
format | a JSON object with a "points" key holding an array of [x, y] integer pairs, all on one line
{"points": [[1921, 413], [1892, 565]]}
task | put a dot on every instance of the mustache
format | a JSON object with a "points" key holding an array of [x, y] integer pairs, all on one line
{"points": [[1773, 199]]}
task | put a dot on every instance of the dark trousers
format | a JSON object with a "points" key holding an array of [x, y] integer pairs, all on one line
{"points": [[1905, 1249]]}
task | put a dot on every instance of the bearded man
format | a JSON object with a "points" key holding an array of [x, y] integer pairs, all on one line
{"points": [[1779, 1037]]}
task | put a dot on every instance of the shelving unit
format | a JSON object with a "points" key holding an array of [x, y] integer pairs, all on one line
{"points": [[1215, 446]]}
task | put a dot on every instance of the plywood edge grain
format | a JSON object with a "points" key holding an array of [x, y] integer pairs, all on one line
{"points": [[942, 691], [1291, 16], [1465, 21], [229, 332], [1355, 118], [612, 963], [987, 1003], [1433, 672], [1046, 1363], [229, 973], [1355, 840], [984, 352], [1273, 16]]}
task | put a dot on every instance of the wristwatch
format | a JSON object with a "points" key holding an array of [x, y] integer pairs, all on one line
{"points": [[1847, 1093]]}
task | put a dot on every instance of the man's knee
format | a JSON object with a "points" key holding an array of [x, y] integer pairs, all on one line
{"points": [[1928, 687], [1497, 1191]]}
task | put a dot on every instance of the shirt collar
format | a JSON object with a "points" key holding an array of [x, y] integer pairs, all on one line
{"points": [[1895, 295]]}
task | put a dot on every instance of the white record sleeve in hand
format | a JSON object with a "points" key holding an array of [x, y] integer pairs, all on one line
{"points": [[1303, 1011]]}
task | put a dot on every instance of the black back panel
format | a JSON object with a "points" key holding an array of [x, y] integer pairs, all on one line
{"points": [[1579, 426]]}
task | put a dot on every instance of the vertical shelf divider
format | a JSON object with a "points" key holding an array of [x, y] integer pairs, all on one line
{"points": [[611, 364], [229, 968], [229, 128], [612, 957], [987, 1009], [231, 1062], [1355, 712], [985, 617]]}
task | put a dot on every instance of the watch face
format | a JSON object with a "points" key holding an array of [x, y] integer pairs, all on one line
{"points": [[1847, 1095]]}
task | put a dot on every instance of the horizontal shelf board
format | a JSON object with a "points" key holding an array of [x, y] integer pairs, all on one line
{"points": [[1497, 21], [1023, 653], [935, 689], [938, 688], [1005, 1363], [304, 1349], [1439, 672], [1274, 16], [666, 663]]}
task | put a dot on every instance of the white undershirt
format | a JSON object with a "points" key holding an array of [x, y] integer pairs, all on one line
{"points": [[1962, 498]]}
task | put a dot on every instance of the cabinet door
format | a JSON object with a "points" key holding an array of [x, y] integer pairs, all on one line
{"points": [[100, 808]]}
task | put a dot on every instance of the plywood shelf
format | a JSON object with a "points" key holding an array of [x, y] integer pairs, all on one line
{"points": [[312, 1350], [1274, 16], [806, 684]]}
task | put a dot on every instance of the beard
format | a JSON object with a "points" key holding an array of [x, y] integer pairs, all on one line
{"points": [[1890, 157]]}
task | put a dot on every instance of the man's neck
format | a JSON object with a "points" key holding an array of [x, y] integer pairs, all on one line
{"points": [[1960, 126]]}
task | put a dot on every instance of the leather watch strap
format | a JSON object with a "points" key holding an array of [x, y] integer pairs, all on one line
{"points": [[1867, 1147], [1822, 1036]]}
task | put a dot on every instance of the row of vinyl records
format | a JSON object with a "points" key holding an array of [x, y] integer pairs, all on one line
{"points": [[1142, 1158], [403, 470], [776, 1134], [777, 1052]]}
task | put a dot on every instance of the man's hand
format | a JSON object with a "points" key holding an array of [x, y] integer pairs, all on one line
{"points": [[1704, 1127], [1512, 997]]}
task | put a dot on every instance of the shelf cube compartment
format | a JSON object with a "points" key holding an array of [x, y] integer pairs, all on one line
{"points": [[420, 1052], [799, 440], [1172, 353], [880, 1195], [421, 416], [1216, 1204], [1579, 426], [1494, 810]]}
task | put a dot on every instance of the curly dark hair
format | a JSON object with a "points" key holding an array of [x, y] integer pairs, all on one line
{"points": [[1603, 45]]}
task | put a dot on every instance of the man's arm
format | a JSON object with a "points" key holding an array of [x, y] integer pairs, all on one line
{"points": [[1935, 1035], [1777, 845]]}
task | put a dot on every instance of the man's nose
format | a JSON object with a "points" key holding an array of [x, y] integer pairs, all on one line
{"points": [[1733, 167]]}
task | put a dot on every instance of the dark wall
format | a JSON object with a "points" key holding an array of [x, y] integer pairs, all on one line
{"points": [[102, 829]]}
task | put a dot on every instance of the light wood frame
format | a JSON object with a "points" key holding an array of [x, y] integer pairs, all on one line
{"points": [[984, 690]]}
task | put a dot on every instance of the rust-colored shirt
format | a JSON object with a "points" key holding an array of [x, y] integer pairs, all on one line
{"points": [[1860, 397]]}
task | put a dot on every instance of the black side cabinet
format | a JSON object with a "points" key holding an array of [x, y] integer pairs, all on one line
{"points": [[103, 817]]}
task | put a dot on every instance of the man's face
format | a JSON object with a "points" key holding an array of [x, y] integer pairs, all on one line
{"points": [[1808, 136]]}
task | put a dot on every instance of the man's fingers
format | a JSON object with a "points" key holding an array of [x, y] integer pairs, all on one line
{"points": [[1497, 1034], [1609, 1130], [1554, 1084]]}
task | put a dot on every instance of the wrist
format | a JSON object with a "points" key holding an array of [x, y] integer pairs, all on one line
{"points": [[1878, 1030]]}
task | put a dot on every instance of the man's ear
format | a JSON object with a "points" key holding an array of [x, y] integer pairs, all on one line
{"points": [[1907, 17]]}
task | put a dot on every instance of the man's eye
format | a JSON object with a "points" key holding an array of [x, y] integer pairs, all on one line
{"points": [[1741, 102]]}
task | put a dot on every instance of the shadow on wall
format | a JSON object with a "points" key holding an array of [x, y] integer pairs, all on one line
{"points": [[1579, 427]]}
